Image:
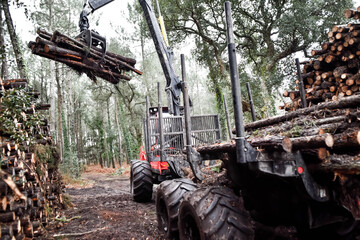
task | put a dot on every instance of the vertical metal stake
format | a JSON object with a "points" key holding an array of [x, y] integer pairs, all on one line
{"points": [[160, 119], [234, 74], [301, 83], [194, 166], [148, 129], [227, 117], [253, 115], [186, 108]]}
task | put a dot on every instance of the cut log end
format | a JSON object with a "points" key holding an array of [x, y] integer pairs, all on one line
{"points": [[329, 140], [287, 145]]}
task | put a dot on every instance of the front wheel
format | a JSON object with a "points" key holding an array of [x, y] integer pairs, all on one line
{"points": [[141, 182], [168, 198], [214, 213]]}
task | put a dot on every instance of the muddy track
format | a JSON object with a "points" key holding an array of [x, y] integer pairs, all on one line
{"points": [[105, 210]]}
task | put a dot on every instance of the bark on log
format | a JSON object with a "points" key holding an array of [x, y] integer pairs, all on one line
{"points": [[7, 217], [316, 141], [109, 76], [352, 101]]}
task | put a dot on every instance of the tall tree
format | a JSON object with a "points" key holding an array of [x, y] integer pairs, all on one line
{"points": [[14, 39], [4, 66], [267, 32]]}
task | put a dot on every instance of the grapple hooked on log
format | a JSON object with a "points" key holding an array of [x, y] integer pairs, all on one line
{"points": [[90, 37]]}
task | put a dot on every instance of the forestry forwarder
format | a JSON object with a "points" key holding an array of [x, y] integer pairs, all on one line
{"points": [[164, 136], [267, 187]]}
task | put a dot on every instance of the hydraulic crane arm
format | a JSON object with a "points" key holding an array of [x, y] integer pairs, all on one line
{"points": [[166, 56], [89, 7], [91, 38]]}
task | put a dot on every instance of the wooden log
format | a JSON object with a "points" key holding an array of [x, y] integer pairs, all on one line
{"points": [[339, 71], [17, 80], [57, 35], [326, 46], [58, 51], [349, 13], [327, 84], [27, 228], [3, 188], [7, 217], [343, 103], [52, 49], [16, 226], [322, 153], [3, 203], [317, 141], [21, 237], [43, 33], [89, 65], [15, 85], [318, 52], [330, 58], [7, 230]]}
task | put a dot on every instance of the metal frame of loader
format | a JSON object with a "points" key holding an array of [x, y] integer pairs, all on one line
{"points": [[205, 130], [274, 188], [165, 138]]}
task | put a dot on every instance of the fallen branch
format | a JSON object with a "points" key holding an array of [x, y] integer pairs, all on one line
{"points": [[77, 234]]}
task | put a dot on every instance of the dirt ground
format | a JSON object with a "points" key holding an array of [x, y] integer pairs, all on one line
{"points": [[103, 209]]}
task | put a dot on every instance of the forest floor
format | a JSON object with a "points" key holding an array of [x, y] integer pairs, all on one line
{"points": [[103, 209]]}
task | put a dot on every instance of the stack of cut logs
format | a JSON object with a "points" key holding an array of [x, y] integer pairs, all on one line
{"points": [[30, 185], [78, 56], [327, 133], [335, 73]]}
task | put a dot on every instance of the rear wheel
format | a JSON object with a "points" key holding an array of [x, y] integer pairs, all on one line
{"points": [[141, 182], [214, 213], [168, 199]]}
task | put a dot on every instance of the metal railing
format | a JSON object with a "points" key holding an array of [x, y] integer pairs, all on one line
{"points": [[205, 130]]}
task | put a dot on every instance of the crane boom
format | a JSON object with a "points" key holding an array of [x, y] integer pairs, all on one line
{"points": [[166, 56]]}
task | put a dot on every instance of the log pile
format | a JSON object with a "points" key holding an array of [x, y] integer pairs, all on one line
{"points": [[77, 55], [327, 133], [30, 184], [334, 73]]}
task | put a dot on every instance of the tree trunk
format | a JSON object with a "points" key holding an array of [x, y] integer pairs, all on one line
{"points": [[59, 107], [215, 76], [118, 127], [14, 40], [109, 127], [4, 66], [105, 142]]}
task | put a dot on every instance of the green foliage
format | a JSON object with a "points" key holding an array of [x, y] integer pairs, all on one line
{"points": [[267, 34], [70, 164], [293, 132], [46, 154], [15, 123], [216, 169]]}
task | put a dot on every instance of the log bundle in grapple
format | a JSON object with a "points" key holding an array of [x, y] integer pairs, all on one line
{"points": [[78, 56], [30, 184], [334, 72]]}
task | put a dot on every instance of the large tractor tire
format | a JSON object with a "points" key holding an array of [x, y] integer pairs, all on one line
{"points": [[168, 198], [141, 182], [214, 213]]}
